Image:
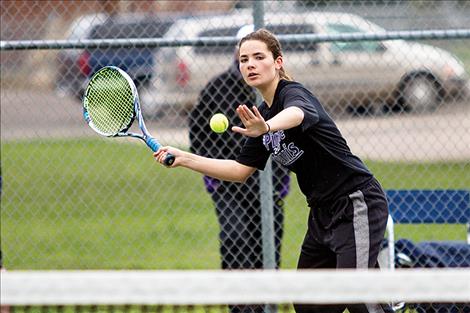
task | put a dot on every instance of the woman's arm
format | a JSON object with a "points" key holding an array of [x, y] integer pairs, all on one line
{"points": [[228, 170], [255, 125]]}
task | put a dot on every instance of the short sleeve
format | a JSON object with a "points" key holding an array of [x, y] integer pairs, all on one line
{"points": [[298, 97], [254, 153]]}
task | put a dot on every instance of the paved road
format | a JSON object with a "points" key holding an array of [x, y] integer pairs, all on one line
{"points": [[443, 135]]}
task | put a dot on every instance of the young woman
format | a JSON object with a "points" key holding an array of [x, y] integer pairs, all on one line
{"points": [[348, 208]]}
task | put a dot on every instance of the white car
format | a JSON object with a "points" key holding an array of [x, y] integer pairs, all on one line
{"points": [[344, 75]]}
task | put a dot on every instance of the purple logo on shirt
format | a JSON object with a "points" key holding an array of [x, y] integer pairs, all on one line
{"points": [[274, 139], [283, 153]]}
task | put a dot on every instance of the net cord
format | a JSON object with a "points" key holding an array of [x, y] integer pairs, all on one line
{"points": [[211, 287]]}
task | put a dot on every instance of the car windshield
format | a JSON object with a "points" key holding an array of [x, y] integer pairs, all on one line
{"points": [[365, 46], [82, 25], [292, 29], [287, 29], [144, 29]]}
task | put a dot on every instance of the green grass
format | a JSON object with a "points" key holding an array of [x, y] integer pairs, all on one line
{"points": [[106, 204], [102, 205], [130, 309], [461, 49]]}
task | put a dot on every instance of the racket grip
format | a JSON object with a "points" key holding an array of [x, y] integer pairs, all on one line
{"points": [[154, 145]]}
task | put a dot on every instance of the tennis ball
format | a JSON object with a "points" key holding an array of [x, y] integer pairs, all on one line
{"points": [[219, 123]]}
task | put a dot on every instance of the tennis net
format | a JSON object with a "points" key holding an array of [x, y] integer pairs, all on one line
{"points": [[214, 290]]}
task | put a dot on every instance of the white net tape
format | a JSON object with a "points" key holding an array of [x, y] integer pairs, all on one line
{"points": [[233, 287]]}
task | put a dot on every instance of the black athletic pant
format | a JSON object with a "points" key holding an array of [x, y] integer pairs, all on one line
{"points": [[346, 233], [239, 215]]}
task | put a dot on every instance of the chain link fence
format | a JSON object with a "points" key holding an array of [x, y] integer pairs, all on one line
{"points": [[73, 200]]}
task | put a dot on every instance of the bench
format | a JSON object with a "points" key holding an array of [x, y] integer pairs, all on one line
{"points": [[426, 207]]}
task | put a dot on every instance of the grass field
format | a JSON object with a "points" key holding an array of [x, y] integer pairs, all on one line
{"points": [[462, 51], [104, 204]]}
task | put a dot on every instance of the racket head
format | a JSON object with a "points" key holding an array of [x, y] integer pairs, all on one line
{"points": [[109, 101]]}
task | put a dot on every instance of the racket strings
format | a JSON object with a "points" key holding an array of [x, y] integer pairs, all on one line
{"points": [[110, 102]]}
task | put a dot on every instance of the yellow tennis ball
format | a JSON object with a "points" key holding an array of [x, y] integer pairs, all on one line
{"points": [[219, 123]]}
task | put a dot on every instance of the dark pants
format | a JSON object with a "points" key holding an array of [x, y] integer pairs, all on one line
{"points": [[239, 214], [346, 233]]}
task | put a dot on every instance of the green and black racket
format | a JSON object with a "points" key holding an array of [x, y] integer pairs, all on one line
{"points": [[111, 104]]}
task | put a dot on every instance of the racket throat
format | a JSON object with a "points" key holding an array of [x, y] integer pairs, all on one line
{"points": [[152, 143]]}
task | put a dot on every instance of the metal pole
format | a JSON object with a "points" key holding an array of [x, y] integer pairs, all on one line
{"points": [[433, 34], [266, 185], [258, 14]]}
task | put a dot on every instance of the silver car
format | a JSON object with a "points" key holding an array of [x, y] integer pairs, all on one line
{"points": [[344, 75]]}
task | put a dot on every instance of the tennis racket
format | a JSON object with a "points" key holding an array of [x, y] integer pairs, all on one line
{"points": [[111, 104]]}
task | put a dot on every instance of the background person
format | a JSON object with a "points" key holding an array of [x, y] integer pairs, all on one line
{"points": [[238, 206]]}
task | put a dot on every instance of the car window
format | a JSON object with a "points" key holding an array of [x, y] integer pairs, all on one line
{"points": [[144, 29], [217, 32], [83, 25], [292, 29], [359, 46], [276, 29]]}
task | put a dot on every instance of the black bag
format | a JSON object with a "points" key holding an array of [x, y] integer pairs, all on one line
{"points": [[434, 254]]}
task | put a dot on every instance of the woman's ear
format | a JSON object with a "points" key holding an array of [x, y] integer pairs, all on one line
{"points": [[278, 63]]}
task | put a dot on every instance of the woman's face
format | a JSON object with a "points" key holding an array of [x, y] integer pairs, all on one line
{"points": [[257, 64]]}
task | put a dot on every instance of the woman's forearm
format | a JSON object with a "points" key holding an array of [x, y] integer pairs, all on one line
{"points": [[228, 170], [286, 119]]}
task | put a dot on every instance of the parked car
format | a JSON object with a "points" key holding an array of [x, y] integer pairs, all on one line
{"points": [[75, 67], [69, 75], [344, 75]]}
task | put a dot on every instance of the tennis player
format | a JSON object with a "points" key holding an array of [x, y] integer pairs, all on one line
{"points": [[348, 208]]}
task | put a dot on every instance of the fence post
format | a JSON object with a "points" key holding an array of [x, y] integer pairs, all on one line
{"points": [[266, 184]]}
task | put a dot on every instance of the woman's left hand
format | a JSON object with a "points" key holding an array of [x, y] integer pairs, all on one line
{"points": [[254, 123]]}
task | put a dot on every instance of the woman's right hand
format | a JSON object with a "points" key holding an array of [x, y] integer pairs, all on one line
{"points": [[161, 154]]}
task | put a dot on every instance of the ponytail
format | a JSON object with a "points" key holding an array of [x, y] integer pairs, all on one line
{"points": [[283, 74]]}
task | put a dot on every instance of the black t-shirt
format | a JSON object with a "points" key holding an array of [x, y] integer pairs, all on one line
{"points": [[315, 150]]}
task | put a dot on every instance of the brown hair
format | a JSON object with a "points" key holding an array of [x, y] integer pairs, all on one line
{"points": [[271, 42]]}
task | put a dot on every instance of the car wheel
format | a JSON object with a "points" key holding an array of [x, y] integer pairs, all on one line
{"points": [[420, 94]]}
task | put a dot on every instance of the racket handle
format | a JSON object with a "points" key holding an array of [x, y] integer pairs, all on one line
{"points": [[169, 159], [154, 145]]}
